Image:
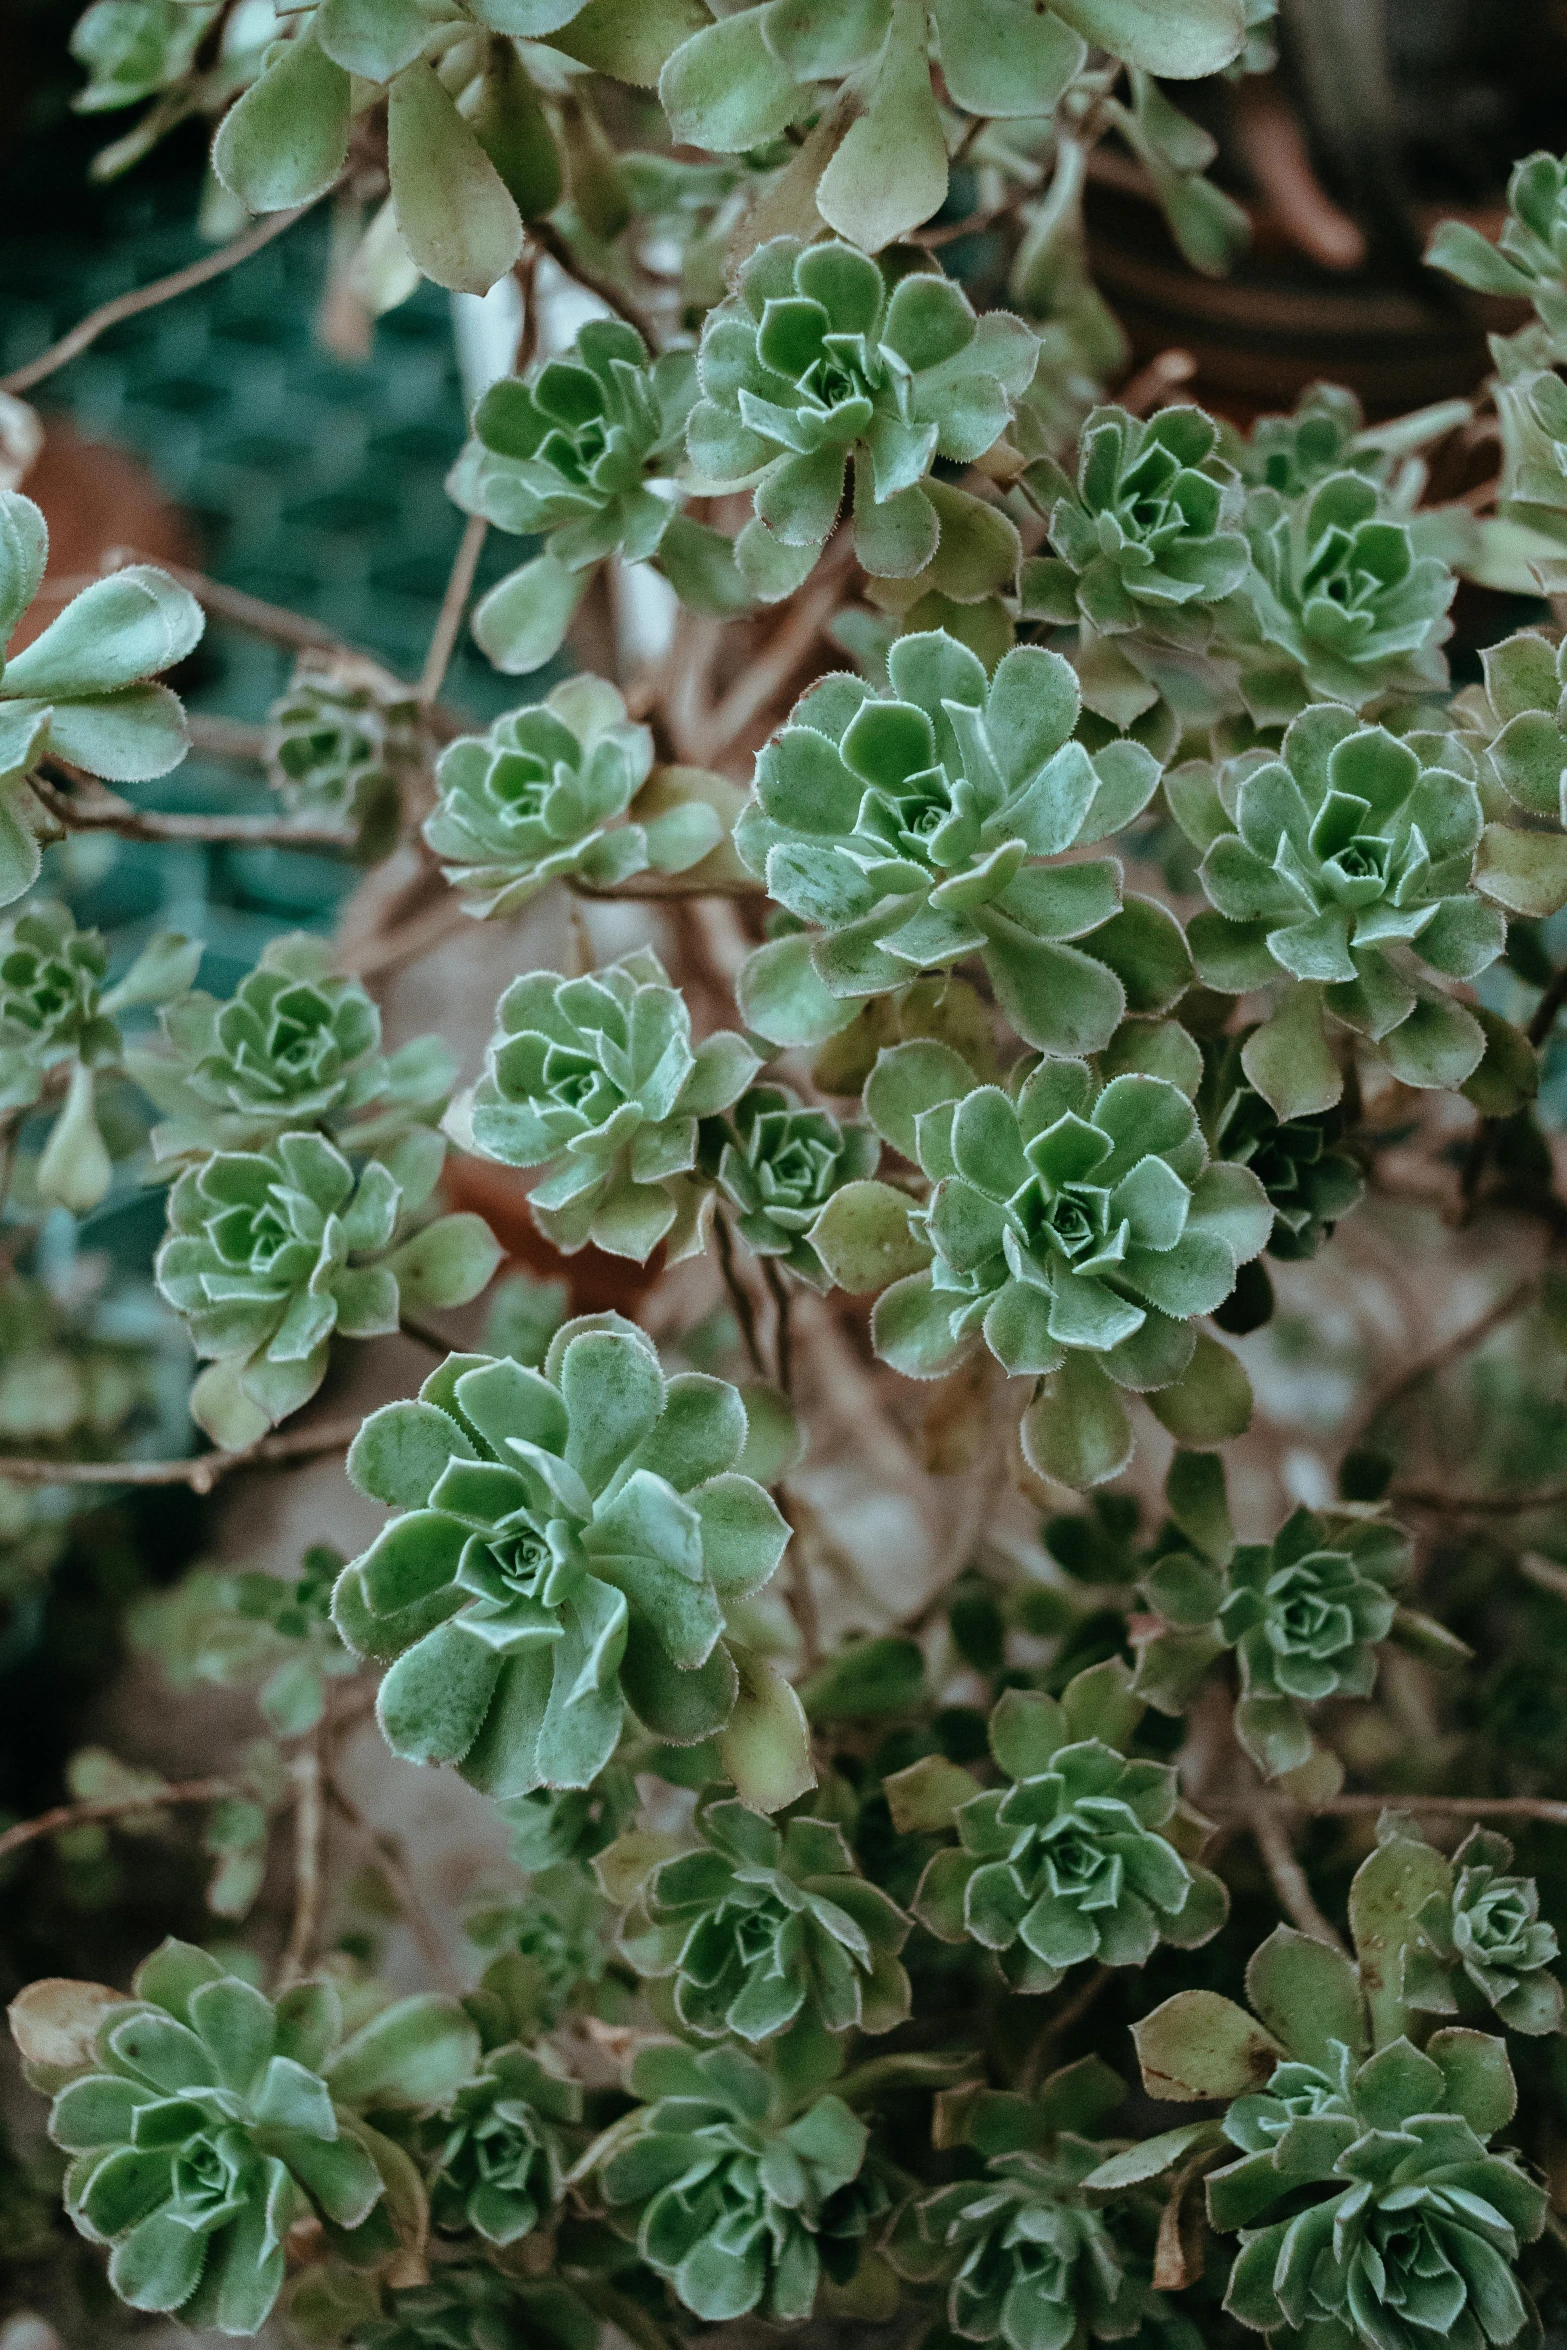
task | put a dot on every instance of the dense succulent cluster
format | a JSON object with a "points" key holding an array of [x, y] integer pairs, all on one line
{"points": [[837, 1793]]}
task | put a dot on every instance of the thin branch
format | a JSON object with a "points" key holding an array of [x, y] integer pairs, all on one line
{"points": [[739, 1296], [443, 640], [803, 1520], [1288, 1877], [104, 811], [252, 613], [306, 1769], [549, 239], [420, 935], [767, 676], [1480, 1505], [1056, 2026], [1442, 1358], [1545, 1011], [226, 738], [783, 1341], [111, 1807], [389, 1860], [162, 289], [201, 1472]]}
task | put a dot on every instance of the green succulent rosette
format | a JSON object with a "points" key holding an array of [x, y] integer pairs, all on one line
{"points": [[1311, 1182], [565, 1546], [596, 1082], [1481, 1943], [1074, 1228], [269, 1254], [499, 2155], [1033, 2262], [742, 82], [133, 51], [1528, 262], [728, 2196], [1512, 726], [814, 362], [296, 1046], [337, 746], [762, 1928], [1147, 537], [477, 2309], [86, 687], [1305, 1615], [778, 1162], [208, 2122], [546, 793], [919, 827], [1347, 609], [1068, 1862], [58, 1020], [568, 454], [1343, 866], [1417, 2225]]}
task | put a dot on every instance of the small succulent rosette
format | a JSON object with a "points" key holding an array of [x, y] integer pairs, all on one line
{"points": [[1481, 1945], [296, 1047], [596, 1082], [1526, 263], [1044, 2247], [1084, 1855], [778, 1161], [1365, 2187], [816, 362], [464, 2308], [270, 1254], [547, 793], [565, 1546], [1347, 608], [761, 1928], [1075, 1229], [1310, 1179], [204, 2122], [1513, 728], [727, 2195], [569, 454], [86, 687], [500, 2154], [1147, 537], [338, 745], [1340, 873], [59, 1021], [916, 828]]}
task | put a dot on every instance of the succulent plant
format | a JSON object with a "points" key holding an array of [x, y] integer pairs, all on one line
{"points": [[269, 1253], [1148, 535], [1074, 1229], [296, 1046], [596, 1082], [1067, 1862], [478, 2309], [565, 1545], [1332, 865], [201, 2130], [86, 686], [1483, 1942], [732, 87], [131, 49], [931, 824], [1310, 1180], [541, 794], [336, 745], [813, 362], [761, 1927], [568, 453], [1305, 1615], [57, 1019], [1347, 609], [499, 2156], [779, 1162], [728, 2196], [1529, 260], [1512, 727]]}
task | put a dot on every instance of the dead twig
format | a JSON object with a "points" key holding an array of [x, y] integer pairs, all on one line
{"points": [[1287, 1876], [390, 1862], [1442, 1358], [443, 639], [549, 239], [201, 1472], [103, 811], [111, 1807]]}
